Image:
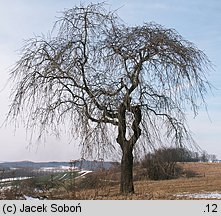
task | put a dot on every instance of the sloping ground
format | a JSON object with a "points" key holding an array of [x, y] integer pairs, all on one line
{"points": [[206, 185]]}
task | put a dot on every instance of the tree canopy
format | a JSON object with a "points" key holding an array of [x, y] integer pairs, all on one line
{"points": [[109, 83]]}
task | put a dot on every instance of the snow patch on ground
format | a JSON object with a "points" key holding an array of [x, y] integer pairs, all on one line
{"points": [[57, 169], [206, 195], [5, 188], [62, 176], [14, 179], [83, 173], [30, 198]]}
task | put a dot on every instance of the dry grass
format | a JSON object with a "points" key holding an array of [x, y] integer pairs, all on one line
{"points": [[208, 179]]}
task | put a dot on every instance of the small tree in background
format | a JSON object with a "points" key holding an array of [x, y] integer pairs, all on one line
{"points": [[109, 83], [204, 157]]}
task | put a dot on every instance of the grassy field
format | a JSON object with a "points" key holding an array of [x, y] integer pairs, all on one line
{"points": [[207, 179], [104, 185]]}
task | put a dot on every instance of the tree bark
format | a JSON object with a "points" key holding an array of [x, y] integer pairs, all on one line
{"points": [[126, 184]]}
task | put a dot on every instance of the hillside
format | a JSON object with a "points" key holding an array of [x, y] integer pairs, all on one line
{"points": [[83, 164], [204, 184], [201, 181]]}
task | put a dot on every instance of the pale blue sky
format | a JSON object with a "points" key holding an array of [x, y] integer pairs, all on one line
{"points": [[197, 21]]}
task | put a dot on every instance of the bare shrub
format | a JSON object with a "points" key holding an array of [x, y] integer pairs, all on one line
{"points": [[161, 165]]}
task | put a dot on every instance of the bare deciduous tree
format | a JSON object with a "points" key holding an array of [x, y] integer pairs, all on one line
{"points": [[109, 83]]}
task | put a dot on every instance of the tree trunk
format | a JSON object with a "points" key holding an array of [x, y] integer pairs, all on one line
{"points": [[126, 184]]}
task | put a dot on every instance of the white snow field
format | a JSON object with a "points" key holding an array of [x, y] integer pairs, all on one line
{"points": [[205, 195]]}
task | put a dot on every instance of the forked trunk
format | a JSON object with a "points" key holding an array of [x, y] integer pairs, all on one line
{"points": [[127, 145]]}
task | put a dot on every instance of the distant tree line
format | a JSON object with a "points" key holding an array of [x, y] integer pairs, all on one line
{"points": [[180, 155]]}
